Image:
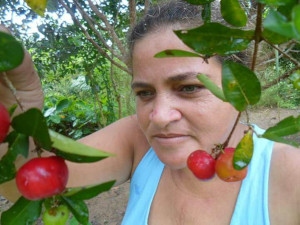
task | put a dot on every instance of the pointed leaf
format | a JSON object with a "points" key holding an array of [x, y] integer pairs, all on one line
{"points": [[210, 85], [23, 212], [244, 151], [18, 144], [75, 151], [286, 127], [32, 123], [11, 52], [233, 13], [176, 53], [78, 208], [214, 38], [85, 193], [241, 87]]}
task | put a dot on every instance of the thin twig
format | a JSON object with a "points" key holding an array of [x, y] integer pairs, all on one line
{"points": [[12, 89]]}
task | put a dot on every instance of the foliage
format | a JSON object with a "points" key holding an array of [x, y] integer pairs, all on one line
{"points": [[70, 66], [103, 26], [240, 86]]}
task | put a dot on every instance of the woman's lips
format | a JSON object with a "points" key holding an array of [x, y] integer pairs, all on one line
{"points": [[169, 139]]}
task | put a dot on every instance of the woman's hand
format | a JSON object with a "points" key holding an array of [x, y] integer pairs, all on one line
{"points": [[26, 82]]}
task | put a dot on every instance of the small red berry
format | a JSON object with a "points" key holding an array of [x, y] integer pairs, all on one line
{"points": [[42, 177], [202, 164], [225, 169], [4, 122]]}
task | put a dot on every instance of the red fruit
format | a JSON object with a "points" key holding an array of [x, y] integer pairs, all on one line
{"points": [[4, 122], [225, 169], [42, 177], [201, 164]]}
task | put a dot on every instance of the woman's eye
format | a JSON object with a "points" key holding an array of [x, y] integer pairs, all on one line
{"points": [[190, 88], [144, 94]]}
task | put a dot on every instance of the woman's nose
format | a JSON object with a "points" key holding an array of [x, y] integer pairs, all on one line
{"points": [[164, 111]]}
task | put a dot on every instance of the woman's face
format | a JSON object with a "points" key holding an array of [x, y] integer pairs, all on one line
{"points": [[175, 111]]}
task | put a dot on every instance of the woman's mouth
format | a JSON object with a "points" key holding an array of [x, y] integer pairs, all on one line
{"points": [[169, 139]]}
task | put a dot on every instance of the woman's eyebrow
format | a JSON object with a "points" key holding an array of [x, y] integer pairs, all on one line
{"points": [[174, 78], [139, 84], [184, 76]]}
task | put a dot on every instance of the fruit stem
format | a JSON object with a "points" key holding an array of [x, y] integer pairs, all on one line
{"points": [[232, 130], [12, 89], [218, 149]]}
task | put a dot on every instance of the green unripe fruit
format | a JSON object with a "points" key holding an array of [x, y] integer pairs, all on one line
{"points": [[56, 216]]}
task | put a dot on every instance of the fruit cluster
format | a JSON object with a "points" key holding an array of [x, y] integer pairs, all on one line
{"points": [[40, 178], [204, 166]]}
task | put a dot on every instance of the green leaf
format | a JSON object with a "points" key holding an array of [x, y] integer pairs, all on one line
{"points": [[18, 144], [244, 151], [176, 53], [287, 8], [233, 13], [240, 85], [274, 38], [278, 23], [286, 127], [78, 208], [296, 19], [23, 212], [214, 38], [32, 123], [210, 85], [11, 52], [274, 2], [64, 103], [85, 193], [75, 151]]}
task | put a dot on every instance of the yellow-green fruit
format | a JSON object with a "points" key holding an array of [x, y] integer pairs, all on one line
{"points": [[56, 216]]}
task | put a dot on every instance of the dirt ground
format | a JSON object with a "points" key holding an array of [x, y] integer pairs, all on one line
{"points": [[108, 208]]}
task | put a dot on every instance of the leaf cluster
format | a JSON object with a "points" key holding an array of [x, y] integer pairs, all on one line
{"points": [[277, 22]]}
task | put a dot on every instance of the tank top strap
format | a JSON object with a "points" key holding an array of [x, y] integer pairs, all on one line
{"points": [[252, 203], [143, 186]]}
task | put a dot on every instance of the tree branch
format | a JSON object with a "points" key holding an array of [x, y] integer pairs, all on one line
{"points": [[90, 39]]}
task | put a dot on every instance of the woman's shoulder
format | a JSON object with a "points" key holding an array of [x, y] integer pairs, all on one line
{"points": [[286, 157], [284, 182], [286, 162]]}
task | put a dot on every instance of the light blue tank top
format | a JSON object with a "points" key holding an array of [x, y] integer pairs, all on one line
{"points": [[252, 203]]}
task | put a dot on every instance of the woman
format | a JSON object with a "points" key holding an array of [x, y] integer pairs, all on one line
{"points": [[175, 115]]}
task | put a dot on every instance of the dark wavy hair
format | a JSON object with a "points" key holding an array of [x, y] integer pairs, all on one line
{"points": [[176, 14]]}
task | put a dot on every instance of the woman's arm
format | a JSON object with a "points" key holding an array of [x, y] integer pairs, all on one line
{"points": [[122, 138]]}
